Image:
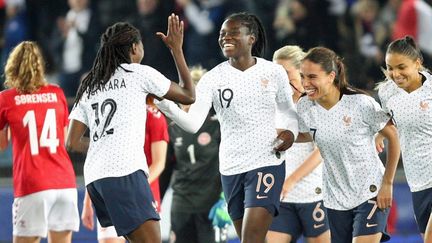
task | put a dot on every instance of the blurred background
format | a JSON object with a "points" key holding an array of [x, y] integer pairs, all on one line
{"points": [[68, 32]]}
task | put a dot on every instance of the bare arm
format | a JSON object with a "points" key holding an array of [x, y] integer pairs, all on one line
{"points": [[75, 141], [310, 163], [303, 138], [174, 41], [158, 154], [385, 194], [87, 212], [4, 138]]}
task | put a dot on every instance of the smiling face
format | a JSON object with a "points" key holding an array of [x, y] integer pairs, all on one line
{"points": [[316, 82], [404, 71], [235, 40]]}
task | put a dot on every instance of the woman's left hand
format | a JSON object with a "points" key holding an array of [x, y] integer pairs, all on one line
{"points": [[385, 195], [284, 141]]}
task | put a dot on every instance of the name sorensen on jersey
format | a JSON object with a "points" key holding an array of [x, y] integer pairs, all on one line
{"points": [[35, 98]]}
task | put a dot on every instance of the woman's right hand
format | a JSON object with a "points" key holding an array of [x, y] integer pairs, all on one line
{"points": [[379, 143], [174, 37]]}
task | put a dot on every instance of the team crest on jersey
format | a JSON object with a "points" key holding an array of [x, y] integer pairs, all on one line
{"points": [[264, 83], [424, 105], [204, 138], [178, 141], [347, 120]]}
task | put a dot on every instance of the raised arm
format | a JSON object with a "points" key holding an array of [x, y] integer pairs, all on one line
{"points": [[174, 41], [190, 121]]}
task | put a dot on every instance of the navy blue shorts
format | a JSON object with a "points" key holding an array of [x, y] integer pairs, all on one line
{"points": [[295, 219], [365, 219], [256, 188], [422, 204], [125, 202]]}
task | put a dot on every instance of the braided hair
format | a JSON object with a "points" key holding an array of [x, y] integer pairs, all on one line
{"points": [[253, 23], [115, 46]]}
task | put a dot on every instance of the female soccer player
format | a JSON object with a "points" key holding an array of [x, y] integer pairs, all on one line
{"points": [[36, 113], [343, 122], [111, 102], [252, 99], [302, 210], [406, 96]]}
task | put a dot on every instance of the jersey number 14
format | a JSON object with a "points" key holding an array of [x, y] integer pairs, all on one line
{"points": [[48, 137]]}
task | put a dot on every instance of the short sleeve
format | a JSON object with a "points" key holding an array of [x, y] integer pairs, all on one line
{"points": [[385, 91], [65, 107], [373, 114], [155, 82], [302, 110]]}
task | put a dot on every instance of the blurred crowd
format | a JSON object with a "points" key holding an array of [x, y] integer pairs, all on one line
{"points": [[358, 30]]}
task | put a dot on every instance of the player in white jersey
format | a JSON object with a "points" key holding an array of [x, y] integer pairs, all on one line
{"points": [[406, 95], [343, 121], [247, 92], [302, 211], [111, 103]]}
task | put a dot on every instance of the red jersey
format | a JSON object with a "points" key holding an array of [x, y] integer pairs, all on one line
{"points": [[156, 130], [37, 122]]}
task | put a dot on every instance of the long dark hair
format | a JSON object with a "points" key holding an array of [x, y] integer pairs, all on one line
{"points": [[115, 46], [253, 23], [330, 61], [407, 47]]}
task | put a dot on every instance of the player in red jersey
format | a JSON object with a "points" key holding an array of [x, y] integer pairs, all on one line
{"points": [[35, 115]]}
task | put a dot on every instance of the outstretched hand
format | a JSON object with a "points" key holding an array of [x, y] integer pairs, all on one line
{"points": [[174, 37]]}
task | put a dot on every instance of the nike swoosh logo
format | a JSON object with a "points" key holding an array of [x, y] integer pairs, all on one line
{"points": [[370, 225], [261, 197], [316, 226]]}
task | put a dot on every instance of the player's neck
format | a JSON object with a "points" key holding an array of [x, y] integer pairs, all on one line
{"points": [[242, 63], [330, 99]]}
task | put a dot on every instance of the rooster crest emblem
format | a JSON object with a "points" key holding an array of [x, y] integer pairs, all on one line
{"points": [[424, 105], [347, 120]]}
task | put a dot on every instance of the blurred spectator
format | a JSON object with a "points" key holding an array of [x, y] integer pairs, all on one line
{"points": [[307, 23], [366, 29], [16, 27], [77, 44], [203, 18], [112, 11], [415, 19], [151, 18], [42, 15], [266, 11]]}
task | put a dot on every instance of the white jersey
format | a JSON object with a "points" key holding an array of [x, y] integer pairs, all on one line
{"points": [[116, 116], [412, 115], [344, 134], [250, 105], [309, 188]]}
